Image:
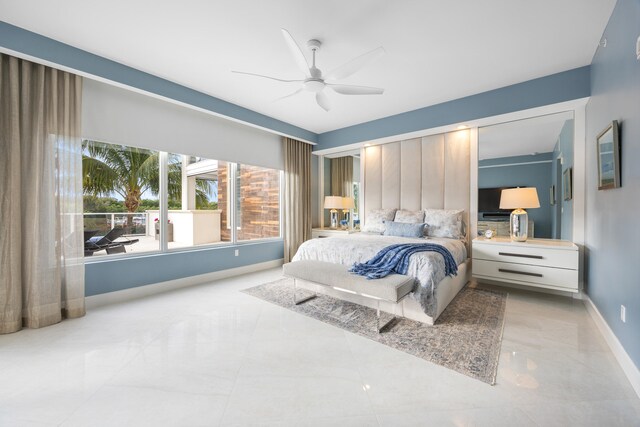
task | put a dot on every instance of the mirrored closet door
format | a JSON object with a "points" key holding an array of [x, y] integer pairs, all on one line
{"points": [[342, 178], [535, 152]]}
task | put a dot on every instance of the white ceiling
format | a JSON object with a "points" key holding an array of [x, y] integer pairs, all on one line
{"points": [[521, 137], [435, 50]]}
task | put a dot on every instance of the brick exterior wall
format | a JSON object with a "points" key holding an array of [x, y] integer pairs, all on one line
{"points": [[259, 202]]}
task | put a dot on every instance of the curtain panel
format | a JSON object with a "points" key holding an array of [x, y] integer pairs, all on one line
{"points": [[41, 224], [342, 176], [297, 195]]}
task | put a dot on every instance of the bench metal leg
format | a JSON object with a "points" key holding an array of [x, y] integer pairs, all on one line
{"points": [[295, 300], [378, 327]]}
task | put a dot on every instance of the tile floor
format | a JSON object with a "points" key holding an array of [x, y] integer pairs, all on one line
{"points": [[211, 355]]}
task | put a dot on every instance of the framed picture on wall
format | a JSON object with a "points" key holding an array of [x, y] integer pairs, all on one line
{"points": [[552, 195], [567, 184], [608, 143]]}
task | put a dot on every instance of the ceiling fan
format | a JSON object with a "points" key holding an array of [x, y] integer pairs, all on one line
{"points": [[316, 82]]}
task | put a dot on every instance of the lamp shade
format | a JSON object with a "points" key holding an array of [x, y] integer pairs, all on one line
{"points": [[514, 198], [348, 203], [333, 202]]}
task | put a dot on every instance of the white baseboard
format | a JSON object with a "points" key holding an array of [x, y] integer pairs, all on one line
{"points": [[171, 285], [627, 365]]}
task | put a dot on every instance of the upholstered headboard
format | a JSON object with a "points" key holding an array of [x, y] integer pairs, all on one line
{"points": [[431, 172]]}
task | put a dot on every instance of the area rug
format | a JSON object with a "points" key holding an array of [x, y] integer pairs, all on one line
{"points": [[466, 337]]}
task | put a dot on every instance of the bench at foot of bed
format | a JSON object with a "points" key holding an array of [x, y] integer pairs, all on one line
{"points": [[392, 288]]}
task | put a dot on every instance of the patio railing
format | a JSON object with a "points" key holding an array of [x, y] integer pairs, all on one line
{"points": [[134, 223]]}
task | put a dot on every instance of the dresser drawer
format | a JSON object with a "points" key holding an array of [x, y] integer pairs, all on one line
{"points": [[547, 257], [521, 273]]}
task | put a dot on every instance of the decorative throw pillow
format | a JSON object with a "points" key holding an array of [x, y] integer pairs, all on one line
{"points": [[374, 221], [444, 223], [412, 217], [403, 229]]}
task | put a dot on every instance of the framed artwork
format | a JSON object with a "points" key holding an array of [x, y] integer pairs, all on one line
{"points": [[608, 145], [567, 184], [552, 195]]}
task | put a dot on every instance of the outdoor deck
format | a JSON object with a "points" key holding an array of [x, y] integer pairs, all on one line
{"points": [[148, 244]]}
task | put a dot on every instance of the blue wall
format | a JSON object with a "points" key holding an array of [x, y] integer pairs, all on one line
{"points": [[524, 174], [115, 275], [612, 216], [565, 86], [27, 42]]}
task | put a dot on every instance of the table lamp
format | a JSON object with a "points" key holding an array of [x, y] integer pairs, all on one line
{"points": [[347, 204], [518, 199], [334, 203]]}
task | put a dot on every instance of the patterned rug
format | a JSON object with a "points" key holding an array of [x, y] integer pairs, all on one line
{"points": [[466, 337]]}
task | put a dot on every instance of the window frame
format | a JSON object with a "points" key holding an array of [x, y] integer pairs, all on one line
{"points": [[232, 206]]}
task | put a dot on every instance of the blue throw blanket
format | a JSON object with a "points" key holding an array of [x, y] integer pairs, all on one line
{"points": [[395, 259]]}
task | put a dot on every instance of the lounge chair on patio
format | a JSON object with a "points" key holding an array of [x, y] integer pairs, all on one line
{"points": [[108, 242], [88, 234]]}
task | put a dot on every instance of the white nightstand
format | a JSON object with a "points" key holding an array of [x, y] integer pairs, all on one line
{"points": [[328, 232], [543, 263]]}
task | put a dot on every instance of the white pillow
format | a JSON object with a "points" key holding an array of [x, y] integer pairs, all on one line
{"points": [[374, 221], [444, 223], [411, 217]]}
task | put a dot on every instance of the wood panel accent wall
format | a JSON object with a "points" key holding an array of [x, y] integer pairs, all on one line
{"points": [[432, 172]]}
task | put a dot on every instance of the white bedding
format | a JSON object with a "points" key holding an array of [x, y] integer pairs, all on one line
{"points": [[426, 267]]}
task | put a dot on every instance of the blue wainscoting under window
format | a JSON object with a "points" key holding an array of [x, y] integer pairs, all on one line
{"points": [[125, 273]]}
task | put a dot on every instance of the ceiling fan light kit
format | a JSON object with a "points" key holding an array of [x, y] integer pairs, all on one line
{"points": [[315, 81]]}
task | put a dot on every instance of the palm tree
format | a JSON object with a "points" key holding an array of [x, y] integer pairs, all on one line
{"points": [[130, 172]]}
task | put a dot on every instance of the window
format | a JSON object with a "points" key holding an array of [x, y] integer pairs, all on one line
{"points": [[194, 214], [122, 185], [231, 188], [258, 214]]}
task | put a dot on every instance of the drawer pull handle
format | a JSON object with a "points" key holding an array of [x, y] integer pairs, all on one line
{"points": [[524, 273], [520, 255]]}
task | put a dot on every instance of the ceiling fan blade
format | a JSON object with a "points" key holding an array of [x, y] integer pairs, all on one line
{"points": [[266, 77], [355, 90], [295, 50], [355, 64], [323, 101], [288, 96]]}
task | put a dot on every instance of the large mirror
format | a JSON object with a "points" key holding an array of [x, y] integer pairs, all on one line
{"points": [[535, 152], [342, 178]]}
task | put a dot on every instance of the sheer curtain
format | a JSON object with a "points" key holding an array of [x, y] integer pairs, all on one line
{"points": [[41, 249], [297, 195], [342, 176]]}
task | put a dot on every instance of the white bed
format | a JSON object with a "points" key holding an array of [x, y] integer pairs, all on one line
{"points": [[425, 173], [433, 292]]}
